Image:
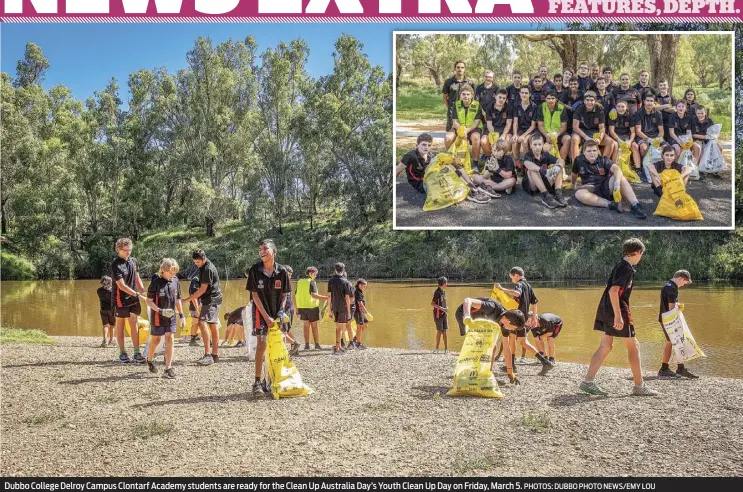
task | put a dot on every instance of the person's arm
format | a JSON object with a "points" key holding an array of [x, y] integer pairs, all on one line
{"points": [[542, 129], [470, 303], [140, 284], [614, 298], [399, 169], [686, 172], [515, 126], [505, 173], [445, 99], [198, 293], [507, 128], [577, 130], [613, 134], [258, 304], [348, 305], [563, 127], [638, 131], [531, 129], [661, 131], [602, 131], [672, 132], [126, 289], [512, 293]]}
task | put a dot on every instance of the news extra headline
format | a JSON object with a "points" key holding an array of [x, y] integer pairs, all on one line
{"points": [[367, 484], [387, 10]]}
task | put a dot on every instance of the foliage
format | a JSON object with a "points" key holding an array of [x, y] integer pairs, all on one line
{"points": [[15, 267], [18, 335]]}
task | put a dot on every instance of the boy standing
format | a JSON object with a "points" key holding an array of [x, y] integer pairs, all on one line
{"points": [[614, 319], [210, 297], [452, 87], [164, 298], [440, 314], [340, 293], [127, 290], [308, 306], [669, 298]]}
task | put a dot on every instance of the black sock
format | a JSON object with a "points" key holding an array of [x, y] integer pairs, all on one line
{"points": [[544, 194], [257, 379], [551, 359], [680, 368], [542, 353], [664, 367], [541, 358]]}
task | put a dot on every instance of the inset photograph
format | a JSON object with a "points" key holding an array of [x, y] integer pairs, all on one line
{"points": [[563, 131]]}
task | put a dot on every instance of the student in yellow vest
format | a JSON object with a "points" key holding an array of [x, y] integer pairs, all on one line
{"points": [[466, 113], [552, 120], [307, 306]]}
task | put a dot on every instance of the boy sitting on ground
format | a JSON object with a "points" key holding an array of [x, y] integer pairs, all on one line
{"points": [[600, 179], [668, 162], [498, 174], [543, 174]]}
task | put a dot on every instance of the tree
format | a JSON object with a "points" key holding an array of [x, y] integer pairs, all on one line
{"points": [[434, 55], [565, 45], [33, 67]]}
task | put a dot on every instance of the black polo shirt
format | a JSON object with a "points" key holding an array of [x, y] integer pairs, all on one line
{"points": [[358, 299], [699, 127], [560, 93], [631, 96], [236, 317], [660, 166], [498, 117], [489, 309], [667, 99], [165, 294], [545, 161], [622, 276], [439, 299], [452, 87], [645, 90], [105, 296], [339, 288], [415, 167], [649, 123], [525, 115], [592, 173], [607, 101], [669, 294], [270, 286], [589, 121], [547, 85], [538, 96], [623, 125], [681, 126], [585, 83], [208, 275], [514, 95], [612, 87], [127, 270], [568, 99], [485, 95], [525, 296]]}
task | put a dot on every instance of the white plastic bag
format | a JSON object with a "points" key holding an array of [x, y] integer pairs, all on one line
{"points": [[685, 348], [251, 341], [686, 158], [652, 156], [711, 160]]}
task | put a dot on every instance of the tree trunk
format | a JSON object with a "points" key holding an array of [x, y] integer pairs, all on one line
{"points": [[663, 49], [436, 77], [398, 74], [210, 223], [570, 55]]}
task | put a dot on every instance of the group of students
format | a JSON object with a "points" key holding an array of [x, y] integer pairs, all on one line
{"points": [[534, 129], [613, 318], [269, 284]]}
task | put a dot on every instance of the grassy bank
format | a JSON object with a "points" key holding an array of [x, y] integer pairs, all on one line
{"points": [[17, 335]]}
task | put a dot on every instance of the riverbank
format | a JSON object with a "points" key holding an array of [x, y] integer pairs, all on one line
{"points": [[69, 409], [379, 252]]}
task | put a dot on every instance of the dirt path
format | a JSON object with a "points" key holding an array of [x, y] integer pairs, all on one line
{"points": [[70, 410]]}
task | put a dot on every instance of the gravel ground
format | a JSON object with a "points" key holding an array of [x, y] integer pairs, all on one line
{"points": [[69, 409]]}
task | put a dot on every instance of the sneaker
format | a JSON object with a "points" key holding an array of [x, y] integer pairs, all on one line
{"points": [[337, 351], [560, 199], [638, 212], [103, 344], [193, 342], [435, 351], [487, 190], [361, 346], [138, 359], [667, 373], [615, 206], [446, 351], [685, 373], [151, 366], [215, 358], [658, 190], [522, 360], [169, 373], [549, 201], [475, 167], [350, 346], [343, 343], [510, 190], [592, 389], [240, 344], [295, 349], [318, 347], [124, 358], [546, 368], [306, 346], [258, 389], [207, 360], [643, 391], [552, 359], [477, 196]]}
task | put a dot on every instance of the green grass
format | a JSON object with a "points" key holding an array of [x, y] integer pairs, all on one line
{"points": [[17, 335], [105, 399], [415, 103], [14, 267], [476, 464], [146, 430], [537, 422], [43, 418]]}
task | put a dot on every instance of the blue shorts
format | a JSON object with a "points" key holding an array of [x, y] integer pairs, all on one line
{"points": [[159, 331]]}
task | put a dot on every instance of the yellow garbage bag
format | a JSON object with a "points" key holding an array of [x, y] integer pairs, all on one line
{"points": [[624, 157], [472, 375], [685, 348], [443, 186], [461, 131], [460, 150], [506, 301], [675, 202], [143, 327], [493, 137], [554, 148], [283, 376]]}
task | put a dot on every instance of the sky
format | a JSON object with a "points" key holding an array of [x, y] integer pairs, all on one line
{"points": [[84, 57]]}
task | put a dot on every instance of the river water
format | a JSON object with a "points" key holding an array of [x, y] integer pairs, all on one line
{"points": [[403, 316]]}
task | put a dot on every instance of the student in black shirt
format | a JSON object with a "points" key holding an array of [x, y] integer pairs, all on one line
{"points": [[543, 174], [668, 161], [498, 119], [308, 306], [450, 90], [127, 291], [571, 98], [235, 327], [514, 90], [498, 172], [600, 178], [679, 126], [690, 96], [585, 83], [485, 92], [611, 86], [629, 94], [538, 90], [666, 104], [164, 299], [210, 297], [604, 97], [669, 299], [614, 319], [547, 85], [523, 293], [699, 126], [269, 285], [643, 86], [588, 121], [552, 123], [108, 320], [440, 314], [340, 294], [648, 127], [559, 88], [622, 128], [547, 327], [193, 309], [358, 313], [523, 122]]}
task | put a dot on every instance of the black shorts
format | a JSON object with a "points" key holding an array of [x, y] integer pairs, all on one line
{"points": [[520, 333], [538, 332], [341, 316], [125, 311], [476, 131], [417, 186], [309, 314], [260, 329], [603, 190], [159, 331], [547, 184], [108, 318], [628, 331], [209, 313], [359, 317], [442, 324]]}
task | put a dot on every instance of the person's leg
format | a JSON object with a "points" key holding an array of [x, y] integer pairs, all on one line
{"points": [[575, 147], [152, 346], [636, 155], [626, 189], [485, 145], [615, 155], [550, 345], [475, 141], [105, 330], [168, 350], [260, 351], [194, 326], [677, 151], [228, 334], [215, 338], [607, 343], [134, 331], [525, 345], [306, 331], [591, 199], [540, 344], [643, 151], [696, 152], [608, 144], [120, 327], [565, 146], [339, 334], [508, 355], [315, 336], [240, 333], [360, 331], [204, 336], [535, 182], [446, 343], [449, 139], [438, 338], [503, 185], [667, 354], [633, 354]]}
